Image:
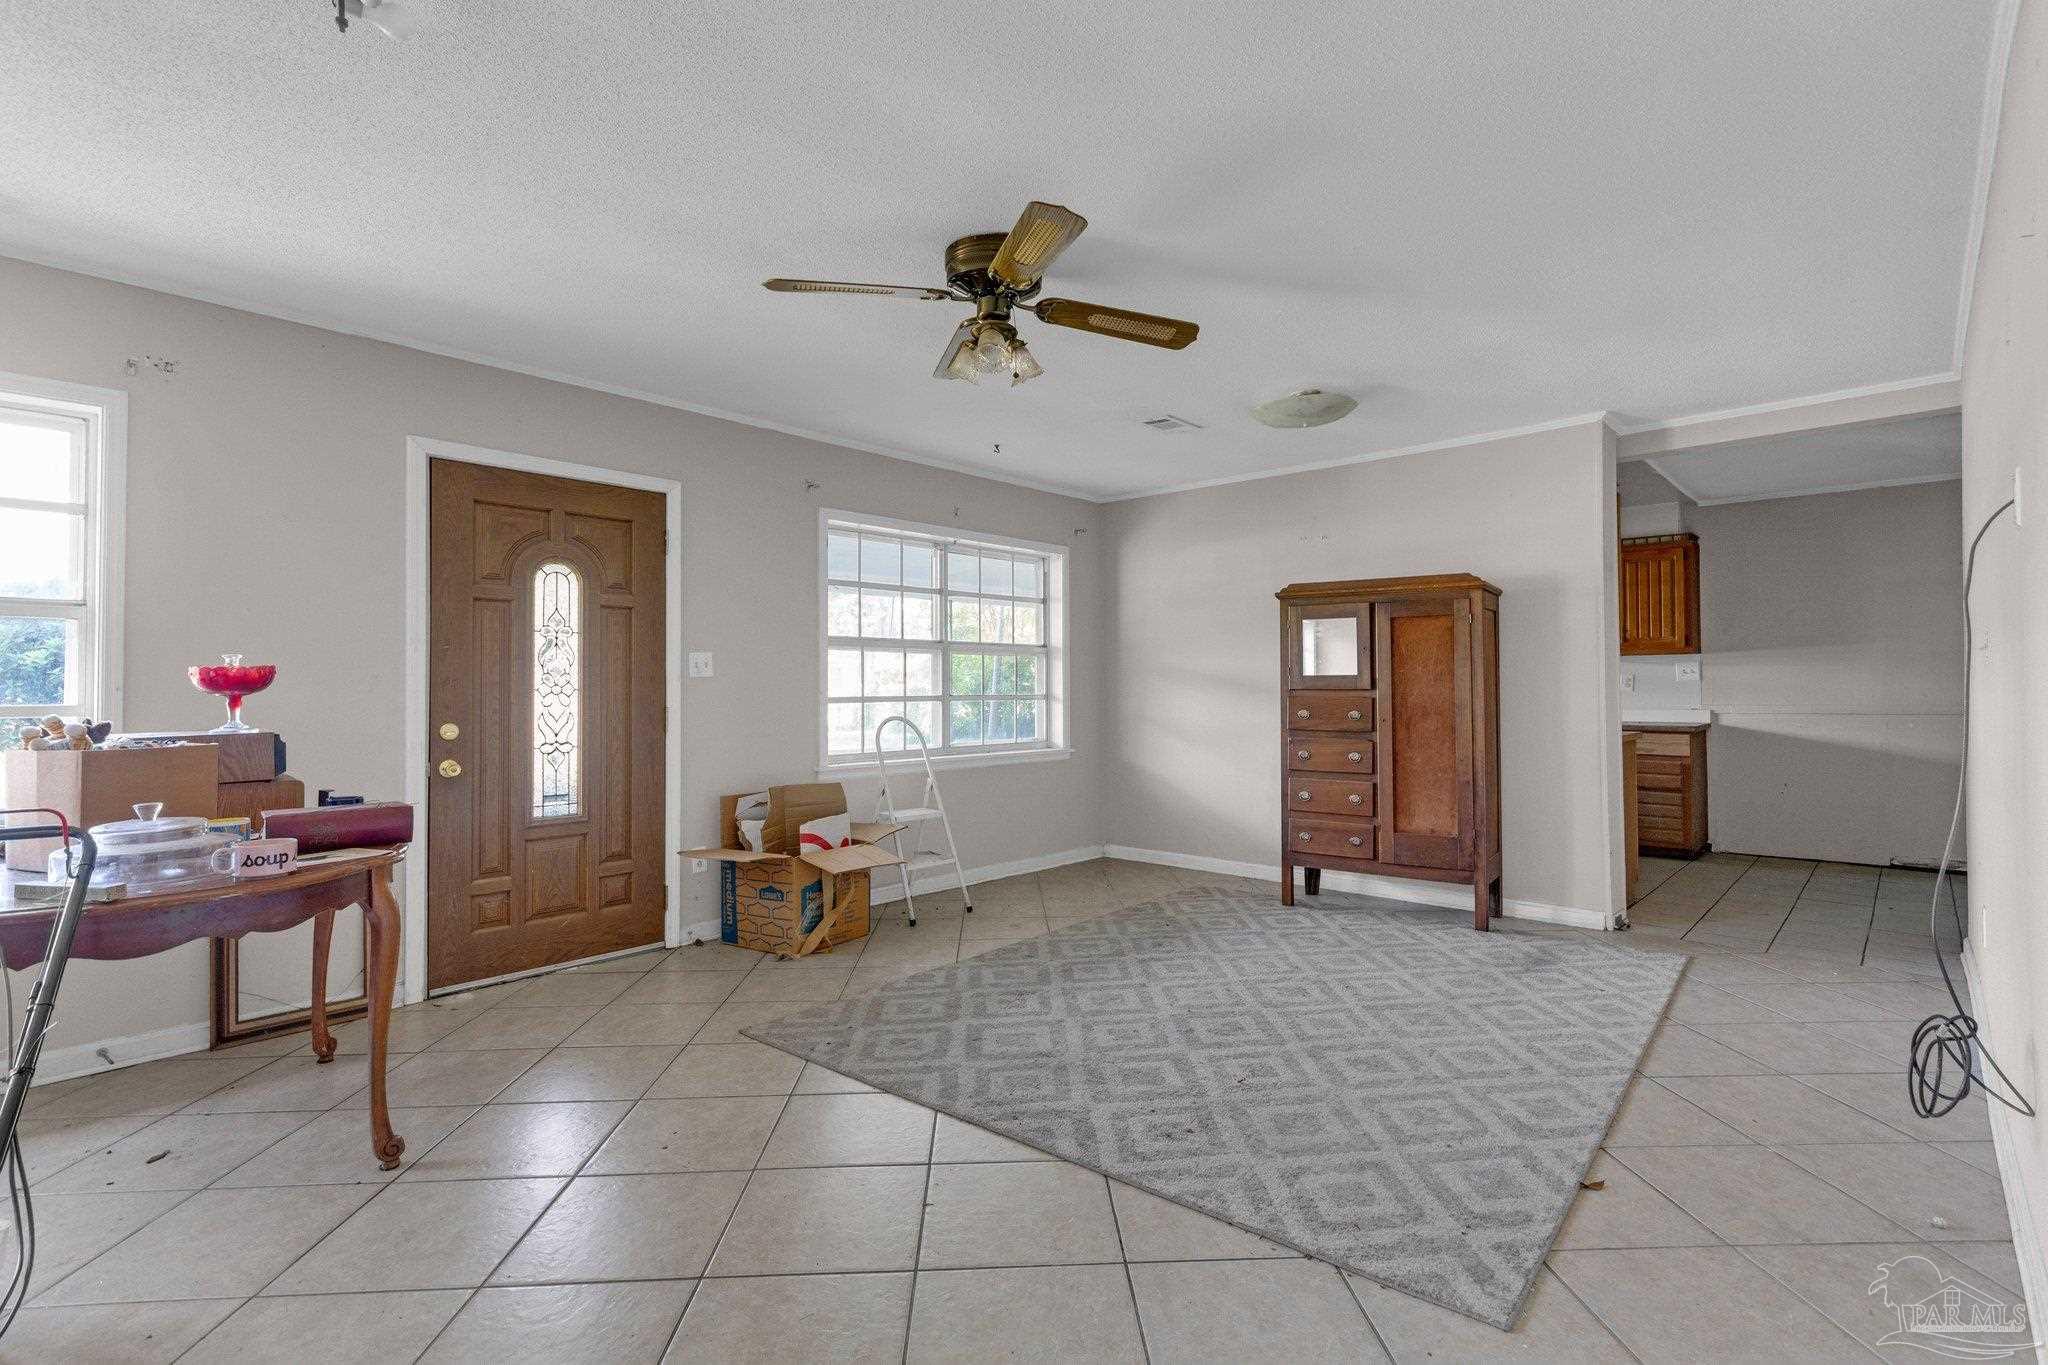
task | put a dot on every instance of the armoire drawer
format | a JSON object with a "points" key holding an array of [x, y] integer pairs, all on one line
{"points": [[1329, 795], [1306, 753], [1332, 838], [1329, 710]]}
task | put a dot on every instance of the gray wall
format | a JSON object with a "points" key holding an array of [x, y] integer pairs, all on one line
{"points": [[1195, 667], [2005, 427], [266, 514], [1833, 663]]}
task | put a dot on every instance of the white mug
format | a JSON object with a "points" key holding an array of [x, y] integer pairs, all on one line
{"points": [[257, 857]]}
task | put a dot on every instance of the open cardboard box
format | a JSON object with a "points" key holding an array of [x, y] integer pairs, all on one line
{"points": [[792, 901]]}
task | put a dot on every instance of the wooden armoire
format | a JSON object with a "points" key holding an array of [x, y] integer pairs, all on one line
{"points": [[1390, 717]]}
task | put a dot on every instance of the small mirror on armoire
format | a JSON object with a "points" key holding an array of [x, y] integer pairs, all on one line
{"points": [[1329, 646]]}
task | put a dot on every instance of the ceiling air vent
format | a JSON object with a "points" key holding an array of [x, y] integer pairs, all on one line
{"points": [[1171, 423]]}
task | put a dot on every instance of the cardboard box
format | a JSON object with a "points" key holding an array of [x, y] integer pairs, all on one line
{"points": [[780, 901], [94, 786]]}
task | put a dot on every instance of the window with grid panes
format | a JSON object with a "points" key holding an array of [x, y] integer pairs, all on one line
{"points": [[954, 635], [52, 659]]}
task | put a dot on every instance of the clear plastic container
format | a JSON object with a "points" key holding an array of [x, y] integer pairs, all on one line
{"points": [[151, 852]]}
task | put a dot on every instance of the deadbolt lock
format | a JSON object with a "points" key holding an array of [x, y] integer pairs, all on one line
{"points": [[448, 767], [450, 730]]}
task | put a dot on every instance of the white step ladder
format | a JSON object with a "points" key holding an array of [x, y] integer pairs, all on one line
{"points": [[930, 806]]}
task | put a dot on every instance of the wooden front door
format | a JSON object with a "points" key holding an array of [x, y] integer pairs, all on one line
{"points": [[1425, 806], [546, 702]]}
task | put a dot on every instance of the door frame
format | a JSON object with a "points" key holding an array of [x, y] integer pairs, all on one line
{"points": [[419, 451]]}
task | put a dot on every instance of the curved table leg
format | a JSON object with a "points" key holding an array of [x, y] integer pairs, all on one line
{"points": [[380, 973], [323, 938]]}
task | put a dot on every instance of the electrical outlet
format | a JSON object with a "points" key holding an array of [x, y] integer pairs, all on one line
{"points": [[700, 663], [1628, 681], [699, 864], [1689, 671]]}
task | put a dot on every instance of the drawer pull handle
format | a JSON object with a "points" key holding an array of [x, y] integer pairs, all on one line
{"points": [[1301, 715], [1301, 754], [1356, 799], [1353, 715], [1306, 836], [1356, 841], [1301, 796], [1354, 757]]}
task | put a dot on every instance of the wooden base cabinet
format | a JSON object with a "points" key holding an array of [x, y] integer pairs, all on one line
{"points": [[1390, 725], [1671, 790]]}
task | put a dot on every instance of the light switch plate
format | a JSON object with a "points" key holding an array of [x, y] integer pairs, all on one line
{"points": [[1688, 671], [1628, 681], [700, 663]]}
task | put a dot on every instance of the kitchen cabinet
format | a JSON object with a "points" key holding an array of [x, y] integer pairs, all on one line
{"points": [[1660, 594], [1671, 789]]}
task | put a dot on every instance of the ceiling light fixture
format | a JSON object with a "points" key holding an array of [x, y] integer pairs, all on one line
{"points": [[1308, 408], [988, 347], [388, 17]]}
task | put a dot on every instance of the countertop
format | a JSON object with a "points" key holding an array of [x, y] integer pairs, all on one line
{"points": [[1679, 720]]}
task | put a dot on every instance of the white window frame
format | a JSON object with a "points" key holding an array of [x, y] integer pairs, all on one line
{"points": [[104, 413], [1057, 741]]}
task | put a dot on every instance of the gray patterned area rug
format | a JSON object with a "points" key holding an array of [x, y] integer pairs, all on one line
{"points": [[1370, 1083]]}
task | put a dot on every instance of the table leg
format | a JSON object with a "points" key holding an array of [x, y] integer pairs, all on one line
{"points": [[323, 938], [380, 974]]}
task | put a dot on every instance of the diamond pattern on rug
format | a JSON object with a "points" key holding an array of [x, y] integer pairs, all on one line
{"points": [[1368, 1082]]}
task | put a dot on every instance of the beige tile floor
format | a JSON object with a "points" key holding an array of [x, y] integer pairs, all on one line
{"points": [[599, 1167]]}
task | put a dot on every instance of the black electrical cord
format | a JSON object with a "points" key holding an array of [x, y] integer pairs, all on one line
{"points": [[1943, 1067]]}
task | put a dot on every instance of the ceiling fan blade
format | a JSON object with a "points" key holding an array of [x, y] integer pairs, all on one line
{"points": [[895, 291], [1121, 323], [950, 364], [1043, 231]]}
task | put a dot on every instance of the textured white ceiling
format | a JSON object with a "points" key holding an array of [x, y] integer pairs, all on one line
{"points": [[1877, 454], [1472, 218]]}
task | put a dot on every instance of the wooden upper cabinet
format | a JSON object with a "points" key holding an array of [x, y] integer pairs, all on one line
{"points": [[1660, 595]]}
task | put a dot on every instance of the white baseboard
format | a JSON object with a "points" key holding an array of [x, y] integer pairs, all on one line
{"points": [[940, 881], [1448, 895], [83, 1059], [2024, 1189]]}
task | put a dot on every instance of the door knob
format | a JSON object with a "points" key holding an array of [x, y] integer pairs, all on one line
{"points": [[448, 767]]}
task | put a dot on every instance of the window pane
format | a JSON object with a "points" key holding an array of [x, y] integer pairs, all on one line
{"points": [[884, 673], [1002, 723], [963, 571], [842, 727], [925, 716], [39, 461], [1027, 582], [920, 616], [875, 712], [557, 689], [881, 615], [881, 561], [42, 554], [38, 663], [921, 673], [1005, 674], [920, 567], [842, 612], [842, 555], [1024, 621], [995, 573], [995, 622], [963, 618], [1029, 676], [842, 673], [969, 721], [1028, 724], [968, 673]]}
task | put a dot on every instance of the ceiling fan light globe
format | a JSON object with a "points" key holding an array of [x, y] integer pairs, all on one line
{"points": [[1023, 365]]}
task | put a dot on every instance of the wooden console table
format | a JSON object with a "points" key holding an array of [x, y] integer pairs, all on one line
{"points": [[143, 925]]}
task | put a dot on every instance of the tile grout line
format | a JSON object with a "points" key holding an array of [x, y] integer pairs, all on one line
{"points": [[1116, 1225]]}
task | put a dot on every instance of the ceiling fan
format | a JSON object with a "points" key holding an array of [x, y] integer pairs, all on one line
{"points": [[998, 271]]}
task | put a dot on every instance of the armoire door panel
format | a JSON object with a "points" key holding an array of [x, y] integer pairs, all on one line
{"points": [[1426, 733]]}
